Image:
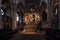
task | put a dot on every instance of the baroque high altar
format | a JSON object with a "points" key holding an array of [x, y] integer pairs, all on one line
{"points": [[31, 20]]}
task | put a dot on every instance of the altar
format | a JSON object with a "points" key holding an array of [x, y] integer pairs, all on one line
{"points": [[31, 20]]}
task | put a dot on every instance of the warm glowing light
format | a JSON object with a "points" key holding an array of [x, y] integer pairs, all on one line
{"points": [[35, 17]]}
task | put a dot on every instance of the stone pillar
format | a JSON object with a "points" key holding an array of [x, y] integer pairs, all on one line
{"points": [[53, 17], [48, 14], [0, 14], [13, 13], [59, 14]]}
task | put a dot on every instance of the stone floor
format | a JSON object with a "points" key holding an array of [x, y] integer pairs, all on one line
{"points": [[20, 36]]}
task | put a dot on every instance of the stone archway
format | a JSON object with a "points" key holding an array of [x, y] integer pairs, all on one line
{"points": [[44, 12], [20, 11]]}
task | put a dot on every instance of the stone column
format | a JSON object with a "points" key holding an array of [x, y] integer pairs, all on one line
{"points": [[0, 14], [53, 17], [48, 14], [59, 14], [13, 14]]}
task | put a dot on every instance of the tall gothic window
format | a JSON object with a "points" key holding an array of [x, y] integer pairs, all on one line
{"points": [[17, 17], [2, 12]]}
